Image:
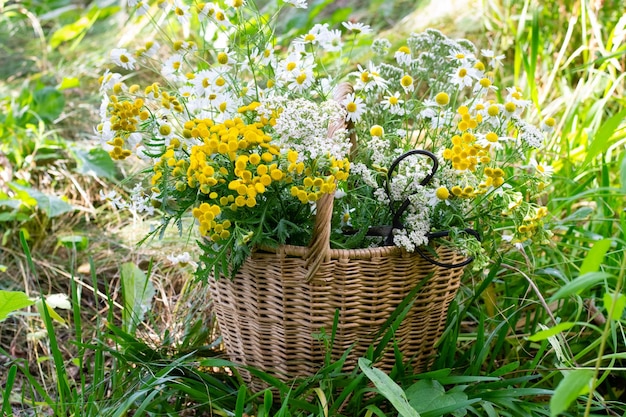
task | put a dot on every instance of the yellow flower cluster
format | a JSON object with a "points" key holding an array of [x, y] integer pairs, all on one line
{"points": [[176, 169], [495, 177], [125, 117], [314, 186], [531, 222], [234, 165]]}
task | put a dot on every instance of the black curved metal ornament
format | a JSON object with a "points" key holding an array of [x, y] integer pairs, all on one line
{"points": [[397, 214]]}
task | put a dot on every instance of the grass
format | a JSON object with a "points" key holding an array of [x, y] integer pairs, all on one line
{"points": [[520, 338]]}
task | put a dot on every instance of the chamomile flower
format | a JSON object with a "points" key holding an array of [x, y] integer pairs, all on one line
{"points": [[543, 170], [114, 198], [463, 77], [491, 140], [495, 60], [182, 259], [357, 28], [225, 58], [332, 41], [403, 56], [298, 4], [122, 58], [302, 81], [368, 78], [235, 3], [355, 107], [172, 68], [548, 124], [393, 103], [181, 10], [142, 8]]}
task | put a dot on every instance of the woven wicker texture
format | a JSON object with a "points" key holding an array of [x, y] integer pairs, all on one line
{"points": [[280, 299], [269, 313]]}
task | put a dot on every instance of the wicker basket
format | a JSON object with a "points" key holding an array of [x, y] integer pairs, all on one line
{"points": [[280, 299], [270, 312]]}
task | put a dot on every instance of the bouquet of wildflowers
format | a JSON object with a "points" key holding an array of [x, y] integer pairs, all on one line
{"points": [[240, 132]]}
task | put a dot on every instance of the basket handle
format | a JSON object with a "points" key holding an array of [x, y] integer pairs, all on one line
{"points": [[319, 247]]}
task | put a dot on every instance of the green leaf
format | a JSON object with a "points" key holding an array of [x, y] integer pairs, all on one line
{"points": [[69, 31], [544, 334], [48, 103], [74, 241], [388, 388], [581, 283], [52, 205], [96, 162], [67, 83], [595, 256], [53, 314], [11, 301], [614, 304], [605, 131], [429, 396], [138, 292], [575, 383]]}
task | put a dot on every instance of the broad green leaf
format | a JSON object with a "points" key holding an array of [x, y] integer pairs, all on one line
{"points": [[52, 205], [48, 103], [138, 292], [66, 83], [595, 256], [387, 387], [69, 31], [574, 383], [581, 283], [11, 301], [96, 162], [601, 139], [552, 331], [429, 396], [616, 303], [74, 241]]}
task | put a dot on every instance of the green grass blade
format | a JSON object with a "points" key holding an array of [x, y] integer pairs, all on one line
{"points": [[6, 396]]}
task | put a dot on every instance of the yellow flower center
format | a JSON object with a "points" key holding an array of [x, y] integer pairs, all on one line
{"points": [[300, 79], [406, 81], [493, 110], [442, 98], [377, 130], [442, 193], [222, 58], [491, 137], [351, 107]]}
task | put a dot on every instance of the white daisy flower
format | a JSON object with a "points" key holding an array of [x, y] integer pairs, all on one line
{"points": [[393, 103], [356, 27], [495, 60], [122, 58], [354, 106], [543, 170], [298, 4]]}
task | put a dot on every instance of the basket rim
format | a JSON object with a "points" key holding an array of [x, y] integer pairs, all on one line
{"points": [[358, 253]]}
